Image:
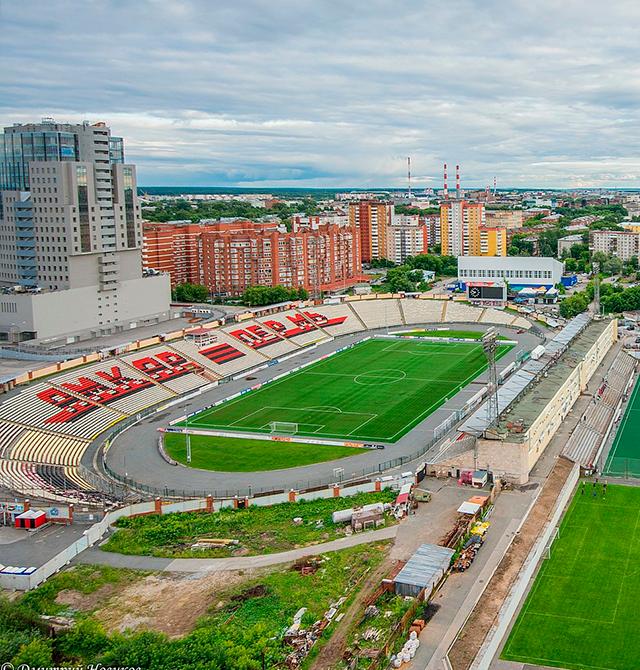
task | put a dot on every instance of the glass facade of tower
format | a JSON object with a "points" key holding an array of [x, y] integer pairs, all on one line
{"points": [[116, 150], [19, 148], [129, 207]]}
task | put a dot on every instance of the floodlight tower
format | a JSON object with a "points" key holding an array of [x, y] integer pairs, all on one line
{"points": [[188, 435], [489, 347], [596, 288]]}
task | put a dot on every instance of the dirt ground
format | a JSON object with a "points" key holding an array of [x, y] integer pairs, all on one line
{"points": [[168, 603], [484, 615]]}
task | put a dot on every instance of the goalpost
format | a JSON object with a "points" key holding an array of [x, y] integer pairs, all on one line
{"points": [[287, 427], [556, 535]]}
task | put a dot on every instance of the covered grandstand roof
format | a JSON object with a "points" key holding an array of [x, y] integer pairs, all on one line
{"points": [[516, 385]]}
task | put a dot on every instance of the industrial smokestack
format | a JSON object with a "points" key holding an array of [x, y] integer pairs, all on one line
{"points": [[409, 174], [446, 190], [457, 181]]}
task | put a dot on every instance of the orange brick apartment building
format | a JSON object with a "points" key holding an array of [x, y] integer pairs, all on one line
{"points": [[229, 256]]}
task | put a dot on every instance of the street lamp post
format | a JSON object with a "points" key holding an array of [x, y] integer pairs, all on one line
{"points": [[188, 437]]}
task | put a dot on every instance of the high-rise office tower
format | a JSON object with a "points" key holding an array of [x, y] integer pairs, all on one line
{"points": [[70, 226]]}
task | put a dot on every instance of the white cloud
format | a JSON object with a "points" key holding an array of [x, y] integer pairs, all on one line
{"points": [[336, 93]]}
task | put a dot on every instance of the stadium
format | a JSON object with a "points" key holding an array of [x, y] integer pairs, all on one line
{"points": [[303, 398], [330, 377]]}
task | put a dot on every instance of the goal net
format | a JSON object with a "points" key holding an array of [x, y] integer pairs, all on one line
{"points": [[284, 427]]}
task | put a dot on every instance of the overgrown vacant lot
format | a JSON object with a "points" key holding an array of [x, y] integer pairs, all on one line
{"points": [[259, 530], [164, 622], [232, 454]]}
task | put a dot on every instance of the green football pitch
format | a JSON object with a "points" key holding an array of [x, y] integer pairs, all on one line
{"points": [[581, 613], [377, 390], [624, 457]]}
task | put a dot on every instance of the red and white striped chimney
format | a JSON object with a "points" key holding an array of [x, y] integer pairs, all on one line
{"points": [[445, 190], [457, 181]]}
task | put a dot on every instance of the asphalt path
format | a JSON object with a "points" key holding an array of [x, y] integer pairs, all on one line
{"points": [[95, 555], [134, 453]]}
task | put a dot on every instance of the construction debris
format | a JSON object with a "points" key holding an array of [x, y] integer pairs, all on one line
{"points": [[371, 611], [471, 547], [214, 543], [301, 639]]}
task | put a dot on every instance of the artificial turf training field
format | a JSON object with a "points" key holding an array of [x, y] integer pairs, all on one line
{"points": [[624, 457], [581, 613], [377, 390]]}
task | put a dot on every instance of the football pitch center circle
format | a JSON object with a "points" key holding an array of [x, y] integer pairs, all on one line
{"points": [[380, 376]]}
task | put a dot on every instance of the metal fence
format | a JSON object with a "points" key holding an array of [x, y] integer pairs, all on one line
{"points": [[126, 488]]}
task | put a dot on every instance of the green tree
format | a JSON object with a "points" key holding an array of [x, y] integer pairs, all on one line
{"points": [[190, 293], [574, 305], [399, 279], [257, 296], [36, 653]]}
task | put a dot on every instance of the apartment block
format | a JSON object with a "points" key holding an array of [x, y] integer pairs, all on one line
{"points": [[504, 218], [406, 236], [372, 218], [625, 244], [432, 223], [464, 232], [229, 256]]}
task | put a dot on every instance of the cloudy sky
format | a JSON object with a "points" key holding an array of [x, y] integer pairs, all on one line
{"points": [[336, 93]]}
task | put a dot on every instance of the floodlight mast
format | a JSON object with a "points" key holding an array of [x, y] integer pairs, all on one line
{"points": [[489, 347], [595, 267]]}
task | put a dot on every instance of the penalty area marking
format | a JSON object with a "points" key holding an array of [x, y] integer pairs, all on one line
{"points": [[324, 408]]}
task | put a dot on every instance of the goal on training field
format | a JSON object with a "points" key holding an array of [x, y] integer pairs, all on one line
{"points": [[283, 427]]}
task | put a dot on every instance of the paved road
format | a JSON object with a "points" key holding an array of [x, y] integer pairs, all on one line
{"points": [[135, 451], [95, 555], [26, 549]]}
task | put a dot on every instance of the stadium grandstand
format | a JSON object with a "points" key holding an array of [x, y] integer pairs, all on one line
{"points": [[534, 401], [46, 426]]}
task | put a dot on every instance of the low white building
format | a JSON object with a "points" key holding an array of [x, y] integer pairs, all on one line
{"points": [[84, 313], [517, 271]]}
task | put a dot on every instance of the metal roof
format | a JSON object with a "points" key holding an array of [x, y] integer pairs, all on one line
{"points": [[479, 421], [425, 566]]}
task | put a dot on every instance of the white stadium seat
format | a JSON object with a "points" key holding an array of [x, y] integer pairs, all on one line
{"points": [[378, 313]]}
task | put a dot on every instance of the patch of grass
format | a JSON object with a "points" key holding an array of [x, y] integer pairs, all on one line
{"points": [[285, 591], [466, 334], [243, 628], [230, 454], [624, 457], [258, 529], [582, 609], [368, 392]]}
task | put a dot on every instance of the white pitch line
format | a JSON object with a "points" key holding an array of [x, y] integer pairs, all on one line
{"points": [[375, 416]]}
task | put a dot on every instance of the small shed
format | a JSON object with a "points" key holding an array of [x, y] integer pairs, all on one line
{"points": [[469, 508], [367, 518], [31, 519], [479, 478], [423, 570]]}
